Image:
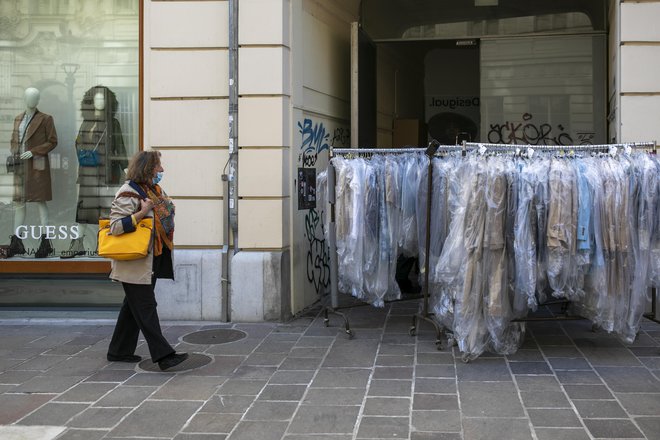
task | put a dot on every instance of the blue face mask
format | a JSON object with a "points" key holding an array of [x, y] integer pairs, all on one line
{"points": [[158, 178]]}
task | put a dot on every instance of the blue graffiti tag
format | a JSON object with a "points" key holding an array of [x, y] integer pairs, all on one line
{"points": [[314, 140]]}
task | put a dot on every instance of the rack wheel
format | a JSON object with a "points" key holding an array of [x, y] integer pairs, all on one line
{"points": [[465, 359], [438, 344], [412, 331], [595, 327], [350, 333], [326, 322]]}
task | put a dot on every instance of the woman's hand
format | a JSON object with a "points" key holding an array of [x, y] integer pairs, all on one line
{"points": [[146, 205]]}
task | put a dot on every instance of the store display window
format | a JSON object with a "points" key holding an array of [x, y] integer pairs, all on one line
{"points": [[69, 118]]}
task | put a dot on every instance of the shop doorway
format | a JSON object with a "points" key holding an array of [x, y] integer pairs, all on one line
{"points": [[509, 71]]}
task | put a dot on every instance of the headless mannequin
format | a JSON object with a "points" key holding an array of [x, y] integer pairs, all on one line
{"points": [[31, 97], [35, 168]]}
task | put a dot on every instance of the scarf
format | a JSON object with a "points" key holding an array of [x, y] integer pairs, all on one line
{"points": [[163, 218]]}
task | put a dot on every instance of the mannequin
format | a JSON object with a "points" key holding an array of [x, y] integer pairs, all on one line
{"points": [[99, 135], [33, 137]]}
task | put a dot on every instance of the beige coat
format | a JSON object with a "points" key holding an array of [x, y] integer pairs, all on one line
{"points": [[132, 271], [32, 178]]}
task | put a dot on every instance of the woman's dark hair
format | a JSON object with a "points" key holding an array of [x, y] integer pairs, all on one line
{"points": [[87, 103], [142, 165]]}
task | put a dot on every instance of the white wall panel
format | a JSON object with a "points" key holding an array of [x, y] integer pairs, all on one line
{"points": [[194, 172], [198, 222], [639, 118], [263, 22], [264, 121], [263, 71], [639, 21], [639, 76], [263, 172], [193, 73], [261, 223], [197, 122], [189, 24]]}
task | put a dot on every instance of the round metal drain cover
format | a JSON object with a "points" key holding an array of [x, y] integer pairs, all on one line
{"points": [[214, 336], [195, 360]]}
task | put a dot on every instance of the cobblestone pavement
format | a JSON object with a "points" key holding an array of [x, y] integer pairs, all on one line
{"points": [[300, 380]]}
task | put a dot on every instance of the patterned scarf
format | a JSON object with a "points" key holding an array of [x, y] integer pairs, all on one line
{"points": [[163, 218]]}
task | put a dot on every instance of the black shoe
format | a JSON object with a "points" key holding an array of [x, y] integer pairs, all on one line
{"points": [[172, 360], [131, 358], [15, 246], [45, 248]]}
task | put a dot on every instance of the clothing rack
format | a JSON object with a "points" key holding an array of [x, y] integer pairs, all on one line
{"points": [[597, 147], [432, 150], [332, 232], [650, 146]]}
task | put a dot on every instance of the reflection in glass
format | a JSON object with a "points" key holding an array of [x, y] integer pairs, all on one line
{"points": [[72, 51], [33, 137]]}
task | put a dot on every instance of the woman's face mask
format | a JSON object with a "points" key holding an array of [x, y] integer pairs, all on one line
{"points": [[158, 177]]}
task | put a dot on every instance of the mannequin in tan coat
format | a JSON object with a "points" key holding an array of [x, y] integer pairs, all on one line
{"points": [[33, 137]]}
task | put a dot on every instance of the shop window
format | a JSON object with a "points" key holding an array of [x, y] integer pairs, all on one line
{"points": [[543, 90], [69, 76]]}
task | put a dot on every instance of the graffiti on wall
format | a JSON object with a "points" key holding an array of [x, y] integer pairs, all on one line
{"points": [[318, 254], [314, 140], [315, 137], [532, 133], [341, 137]]}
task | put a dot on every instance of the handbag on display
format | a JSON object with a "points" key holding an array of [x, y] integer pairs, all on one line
{"points": [[90, 158], [127, 246], [13, 162]]}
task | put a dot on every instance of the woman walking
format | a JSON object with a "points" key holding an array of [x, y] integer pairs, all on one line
{"points": [[141, 197]]}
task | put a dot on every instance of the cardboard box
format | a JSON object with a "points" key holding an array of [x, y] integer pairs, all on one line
{"points": [[409, 133]]}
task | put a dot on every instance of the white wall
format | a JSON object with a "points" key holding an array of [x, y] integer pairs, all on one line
{"points": [[185, 110], [185, 115], [639, 55]]}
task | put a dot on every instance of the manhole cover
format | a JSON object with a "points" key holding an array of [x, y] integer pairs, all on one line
{"points": [[214, 336], [195, 360]]}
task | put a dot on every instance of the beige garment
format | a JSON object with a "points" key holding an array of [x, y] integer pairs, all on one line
{"points": [[133, 271], [470, 326], [560, 209], [496, 197]]}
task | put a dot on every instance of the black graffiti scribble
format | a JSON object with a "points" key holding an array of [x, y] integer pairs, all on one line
{"points": [[341, 137], [586, 138], [318, 254], [527, 132]]}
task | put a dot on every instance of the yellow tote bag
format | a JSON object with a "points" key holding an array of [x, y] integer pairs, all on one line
{"points": [[127, 246]]}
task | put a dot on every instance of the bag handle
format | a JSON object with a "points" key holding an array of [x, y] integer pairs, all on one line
{"points": [[99, 141], [137, 188]]}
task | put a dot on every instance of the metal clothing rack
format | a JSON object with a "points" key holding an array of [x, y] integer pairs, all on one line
{"points": [[424, 315], [334, 308], [598, 147], [433, 149], [332, 231], [650, 146]]}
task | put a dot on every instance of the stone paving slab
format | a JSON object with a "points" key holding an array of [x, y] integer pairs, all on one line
{"points": [[304, 381]]}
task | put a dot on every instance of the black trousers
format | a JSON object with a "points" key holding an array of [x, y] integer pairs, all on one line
{"points": [[138, 313]]}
